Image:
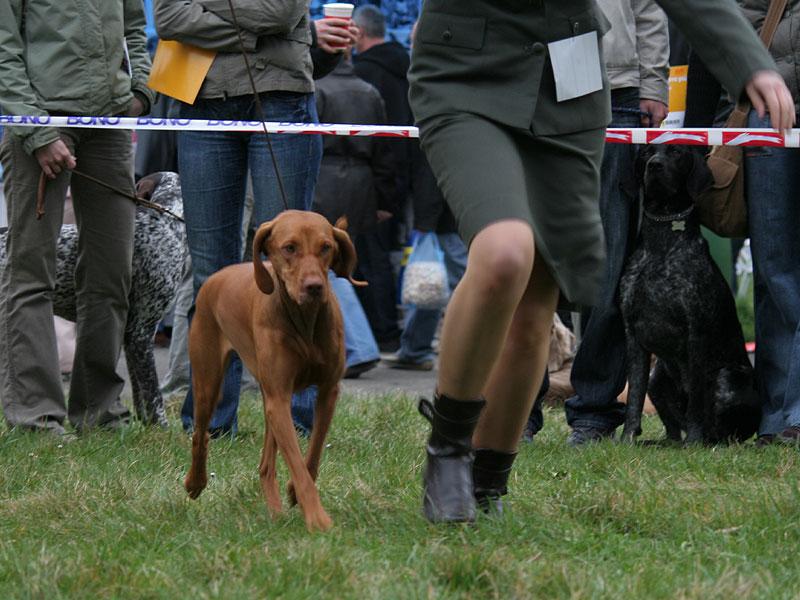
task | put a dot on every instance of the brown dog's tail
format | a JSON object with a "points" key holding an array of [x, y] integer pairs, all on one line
{"points": [[345, 262], [263, 278]]}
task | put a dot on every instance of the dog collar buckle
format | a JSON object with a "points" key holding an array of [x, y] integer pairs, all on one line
{"points": [[679, 226]]}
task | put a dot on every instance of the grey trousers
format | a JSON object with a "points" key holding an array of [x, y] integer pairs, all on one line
{"points": [[30, 382]]}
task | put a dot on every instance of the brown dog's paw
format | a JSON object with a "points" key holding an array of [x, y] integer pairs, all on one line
{"points": [[194, 485], [318, 521]]}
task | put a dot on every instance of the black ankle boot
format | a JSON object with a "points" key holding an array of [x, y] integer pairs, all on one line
{"points": [[447, 482], [490, 472]]}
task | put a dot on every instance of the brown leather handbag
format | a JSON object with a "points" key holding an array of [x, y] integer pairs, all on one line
{"points": [[723, 208]]}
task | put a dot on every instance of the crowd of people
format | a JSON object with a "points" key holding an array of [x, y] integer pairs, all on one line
{"points": [[512, 175]]}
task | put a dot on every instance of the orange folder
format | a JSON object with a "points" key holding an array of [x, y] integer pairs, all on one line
{"points": [[179, 69]]}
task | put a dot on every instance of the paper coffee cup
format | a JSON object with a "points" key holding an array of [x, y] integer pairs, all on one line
{"points": [[342, 10], [339, 10]]}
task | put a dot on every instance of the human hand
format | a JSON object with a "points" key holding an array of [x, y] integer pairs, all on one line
{"points": [[54, 158], [136, 108], [335, 34], [768, 94], [653, 112], [383, 215]]}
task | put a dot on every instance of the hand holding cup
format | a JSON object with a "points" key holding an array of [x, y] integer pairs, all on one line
{"points": [[336, 31]]}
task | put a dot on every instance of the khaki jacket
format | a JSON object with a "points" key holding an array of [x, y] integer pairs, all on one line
{"points": [[785, 48], [276, 34], [489, 57], [70, 58], [636, 48]]}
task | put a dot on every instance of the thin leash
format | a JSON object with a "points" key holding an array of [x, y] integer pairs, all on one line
{"points": [[260, 114], [259, 109], [136, 199]]}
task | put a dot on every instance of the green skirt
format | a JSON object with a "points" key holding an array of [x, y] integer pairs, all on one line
{"points": [[490, 172]]}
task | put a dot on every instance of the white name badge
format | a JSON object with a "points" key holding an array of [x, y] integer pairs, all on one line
{"points": [[576, 66]]}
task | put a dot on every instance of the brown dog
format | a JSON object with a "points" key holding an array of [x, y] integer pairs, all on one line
{"points": [[286, 326]]}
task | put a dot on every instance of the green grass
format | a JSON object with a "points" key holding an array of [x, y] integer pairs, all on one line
{"points": [[106, 516]]}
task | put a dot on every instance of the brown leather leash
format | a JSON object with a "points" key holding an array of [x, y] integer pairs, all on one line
{"points": [[136, 199]]}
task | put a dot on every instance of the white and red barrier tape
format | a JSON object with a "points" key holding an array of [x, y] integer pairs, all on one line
{"points": [[694, 137]]}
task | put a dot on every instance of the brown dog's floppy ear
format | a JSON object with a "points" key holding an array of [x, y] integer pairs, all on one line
{"points": [[345, 261], [263, 278]]}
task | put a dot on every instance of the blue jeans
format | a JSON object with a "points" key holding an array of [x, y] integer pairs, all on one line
{"points": [[772, 176], [213, 167], [421, 323], [600, 368], [360, 346]]}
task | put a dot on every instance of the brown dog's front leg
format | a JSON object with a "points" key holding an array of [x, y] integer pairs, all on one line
{"points": [[197, 478], [266, 470], [323, 415], [279, 415], [208, 370]]}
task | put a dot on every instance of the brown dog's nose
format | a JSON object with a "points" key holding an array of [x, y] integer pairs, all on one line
{"points": [[314, 288]]}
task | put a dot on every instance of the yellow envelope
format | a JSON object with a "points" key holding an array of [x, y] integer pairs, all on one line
{"points": [[179, 69]]}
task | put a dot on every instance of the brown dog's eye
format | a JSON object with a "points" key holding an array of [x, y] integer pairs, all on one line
{"points": [[326, 247], [289, 248]]}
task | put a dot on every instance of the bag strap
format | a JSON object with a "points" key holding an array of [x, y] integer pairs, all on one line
{"points": [[775, 11], [774, 14]]}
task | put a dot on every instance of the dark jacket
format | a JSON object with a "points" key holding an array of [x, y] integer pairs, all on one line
{"points": [[324, 62], [491, 58], [357, 175], [385, 66]]}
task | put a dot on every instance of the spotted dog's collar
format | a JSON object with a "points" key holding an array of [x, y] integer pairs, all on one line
{"points": [[678, 220]]}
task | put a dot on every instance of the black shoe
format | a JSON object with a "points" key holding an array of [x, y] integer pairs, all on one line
{"points": [[397, 362], [790, 435], [580, 436], [490, 473], [765, 439], [447, 482], [355, 371]]}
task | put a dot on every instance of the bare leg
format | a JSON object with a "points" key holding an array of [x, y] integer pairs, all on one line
{"points": [[518, 374], [477, 322], [480, 312]]}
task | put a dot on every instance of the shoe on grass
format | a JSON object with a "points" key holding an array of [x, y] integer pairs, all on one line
{"points": [[355, 371], [790, 435], [580, 436], [765, 439], [397, 362]]}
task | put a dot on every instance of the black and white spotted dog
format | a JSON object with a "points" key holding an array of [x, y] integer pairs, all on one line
{"points": [[676, 305], [159, 251]]}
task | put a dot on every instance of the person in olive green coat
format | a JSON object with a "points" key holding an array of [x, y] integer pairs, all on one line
{"points": [[71, 58], [520, 170]]}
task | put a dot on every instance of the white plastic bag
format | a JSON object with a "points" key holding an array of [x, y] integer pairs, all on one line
{"points": [[425, 275]]}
